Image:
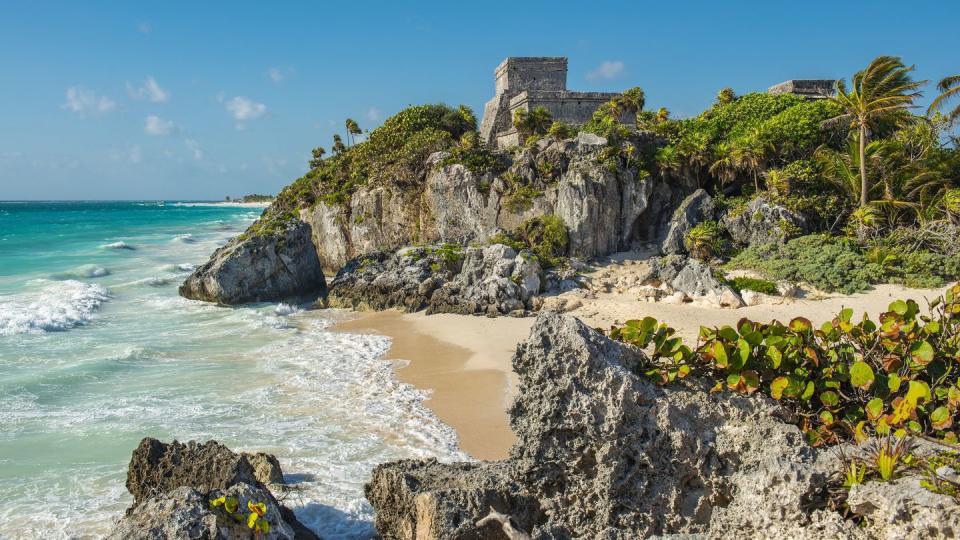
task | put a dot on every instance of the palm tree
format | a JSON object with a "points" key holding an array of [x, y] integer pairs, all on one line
{"points": [[338, 147], [751, 157], [633, 100], [318, 153], [353, 129], [882, 90], [949, 88], [725, 167], [662, 115], [725, 96]]}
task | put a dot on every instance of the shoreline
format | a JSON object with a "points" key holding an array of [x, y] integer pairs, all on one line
{"points": [[464, 362]]}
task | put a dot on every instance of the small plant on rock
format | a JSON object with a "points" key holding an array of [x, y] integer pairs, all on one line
{"points": [[705, 241]]}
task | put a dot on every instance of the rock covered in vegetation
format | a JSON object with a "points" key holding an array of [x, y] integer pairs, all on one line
{"points": [[255, 267], [697, 207], [608, 454], [606, 205], [764, 222], [172, 485], [493, 280]]}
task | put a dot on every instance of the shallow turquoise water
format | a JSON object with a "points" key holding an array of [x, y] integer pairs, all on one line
{"points": [[97, 350]]}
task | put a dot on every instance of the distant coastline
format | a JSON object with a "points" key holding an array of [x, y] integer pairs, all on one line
{"points": [[258, 204]]}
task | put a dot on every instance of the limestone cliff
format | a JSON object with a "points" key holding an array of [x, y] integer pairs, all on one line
{"points": [[606, 202]]}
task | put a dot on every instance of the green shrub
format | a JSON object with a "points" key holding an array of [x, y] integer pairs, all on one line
{"points": [[744, 283], [545, 236], [839, 264], [705, 240], [845, 380], [520, 198]]}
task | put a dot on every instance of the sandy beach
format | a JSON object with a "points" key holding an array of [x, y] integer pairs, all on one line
{"points": [[465, 364], [465, 361]]}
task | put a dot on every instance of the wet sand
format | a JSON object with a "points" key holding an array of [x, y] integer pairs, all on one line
{"points": [[464, 362]]}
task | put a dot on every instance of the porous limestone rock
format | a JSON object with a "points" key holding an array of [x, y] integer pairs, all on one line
{"points": [[257, 268], [172, 483], [697, 207], [902, 508], [693, 278], [605, 453], [494, 280], [763, 222], [186, 513]]}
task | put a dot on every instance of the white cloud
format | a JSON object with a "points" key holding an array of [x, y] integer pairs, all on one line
{"points": [[144, 28], [373, 114], [154, 125], [278, 74], [150, 91], [194, 148], [134, 154], [608, 69], [243, 109], [82, 101]]}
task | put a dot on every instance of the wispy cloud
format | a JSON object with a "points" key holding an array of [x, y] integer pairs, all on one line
{"points": [[150, 91], [154, 125], [373, 114], [144, 28], [608, 69], [278, 74], [194, 148], [243, 109], [84, 101]]}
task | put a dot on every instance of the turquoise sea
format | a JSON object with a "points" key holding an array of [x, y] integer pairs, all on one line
{"points": [[97, 350]]}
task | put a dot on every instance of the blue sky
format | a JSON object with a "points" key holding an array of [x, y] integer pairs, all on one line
{"points": [[167, 100]]}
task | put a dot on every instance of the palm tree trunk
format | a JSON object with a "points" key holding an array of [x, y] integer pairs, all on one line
{"points": [[864, 187]]}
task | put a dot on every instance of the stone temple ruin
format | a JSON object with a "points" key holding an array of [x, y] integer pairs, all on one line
{"points": [[530, 82], [808, 88]]}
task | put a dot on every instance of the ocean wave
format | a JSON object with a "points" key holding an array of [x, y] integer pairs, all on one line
{"points": [[283, 309], [118, 245], [85, 271], [184, 238], [180, 268], [152, 281], [57, 305]]}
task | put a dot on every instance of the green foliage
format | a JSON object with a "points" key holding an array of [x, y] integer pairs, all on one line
{"points": [[520, 198], [840, 264], [534, 123], [256, 520], [473, 155], [845, 380], [545, 236], [745, 283], [560, 130], [705, 240]]}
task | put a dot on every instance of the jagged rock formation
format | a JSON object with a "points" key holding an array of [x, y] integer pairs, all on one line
{"points": [[494, 280], [172, 485], [763, 222], [605, 453], [259, 267], [697, 207], [691, 279]]}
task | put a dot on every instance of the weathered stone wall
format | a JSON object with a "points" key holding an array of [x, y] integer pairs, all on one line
{"points": [[809, 88], [531, 73]]}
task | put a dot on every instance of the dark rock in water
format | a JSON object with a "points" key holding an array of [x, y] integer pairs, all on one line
{"points": [[259, 268], [763, 222], [172, 485], [404, 492], [494, 280], [696, 208]]}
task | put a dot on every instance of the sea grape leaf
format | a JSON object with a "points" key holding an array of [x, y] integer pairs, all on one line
{"points": [[861, 375]]}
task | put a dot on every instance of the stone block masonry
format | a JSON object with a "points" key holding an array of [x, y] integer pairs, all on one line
{"points": [[530, 82]]}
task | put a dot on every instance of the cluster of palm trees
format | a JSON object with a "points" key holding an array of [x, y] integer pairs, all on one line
{"points": [[353, 129], [881, 96]]}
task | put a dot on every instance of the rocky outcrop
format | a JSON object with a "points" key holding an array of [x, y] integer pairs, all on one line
{"points": [[494, 280], [606, 208], [172, 485], [694, 280], [763, 222], [605, 453], [259, 267], [697, 207]]}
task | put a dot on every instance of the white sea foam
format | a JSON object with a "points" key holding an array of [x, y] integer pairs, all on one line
{"points": [[55, 305], [152, 281], [85, 271], [118, 245], [180, 268], [184, 238], [283, 309]]}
